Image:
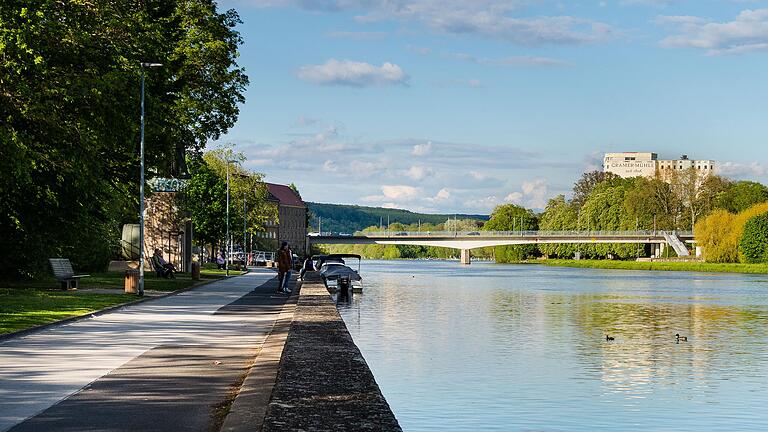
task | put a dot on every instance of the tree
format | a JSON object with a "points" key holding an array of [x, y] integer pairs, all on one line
{"points": [[605, 210], [696, 193], [739, 196], [720, 233], [754, 241], [586, 184], [559, 215], [652, 203], [69, 92], [510, 217]]}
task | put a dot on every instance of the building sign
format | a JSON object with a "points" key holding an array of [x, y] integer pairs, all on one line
{"points": [[632, 168], [160, 184]]}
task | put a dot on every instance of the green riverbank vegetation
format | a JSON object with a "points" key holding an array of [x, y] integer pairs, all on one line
{"points": [[696, 266], [729, 218]]}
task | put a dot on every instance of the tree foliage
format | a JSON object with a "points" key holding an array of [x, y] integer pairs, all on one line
{"points": [[741, 195], [510, 217], [69, 102], [587, 183], [205, 198], [721, 232], [754, 240]]}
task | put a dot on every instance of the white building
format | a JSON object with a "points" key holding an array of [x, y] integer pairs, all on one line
{"points": [[636, 164]]}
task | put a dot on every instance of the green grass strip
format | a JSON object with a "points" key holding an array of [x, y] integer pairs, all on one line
{"points": [[661, 266]]}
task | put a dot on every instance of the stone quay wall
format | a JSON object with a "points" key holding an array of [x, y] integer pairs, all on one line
{"points": [[323, 382]]}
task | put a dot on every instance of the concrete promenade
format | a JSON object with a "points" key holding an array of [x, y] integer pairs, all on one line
{"points": [[167, 364]]}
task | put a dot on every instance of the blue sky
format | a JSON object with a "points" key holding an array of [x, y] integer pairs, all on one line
{"points": [[461, 105]]}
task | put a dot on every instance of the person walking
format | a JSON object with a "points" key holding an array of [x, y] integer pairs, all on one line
{"points": [[284, 264]]}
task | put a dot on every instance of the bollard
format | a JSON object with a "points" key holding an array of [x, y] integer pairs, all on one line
{"points": [[344, 287], [195, 271]]}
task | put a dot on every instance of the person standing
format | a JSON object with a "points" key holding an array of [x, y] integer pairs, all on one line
{"points": [[284, 264]]}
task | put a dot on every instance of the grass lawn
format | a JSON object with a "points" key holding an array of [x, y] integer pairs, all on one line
{"points": [[25, 304], [663, 266]]}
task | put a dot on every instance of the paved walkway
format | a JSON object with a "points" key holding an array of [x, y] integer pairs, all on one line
{"points": [[165, 364]]}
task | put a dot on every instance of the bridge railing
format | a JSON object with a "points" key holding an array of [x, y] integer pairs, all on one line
{"points": [[524, 233]]}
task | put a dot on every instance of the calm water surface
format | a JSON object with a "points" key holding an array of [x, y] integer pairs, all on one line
{"points": [[495, 347]]}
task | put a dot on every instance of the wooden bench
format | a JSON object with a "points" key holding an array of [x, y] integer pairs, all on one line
{"points": [[62, 270]]}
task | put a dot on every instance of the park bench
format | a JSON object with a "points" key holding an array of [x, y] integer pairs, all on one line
{"points": [[62, 270]]}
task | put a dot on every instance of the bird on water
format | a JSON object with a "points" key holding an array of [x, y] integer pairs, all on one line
{"points": [[609, 338], [681, 338]]}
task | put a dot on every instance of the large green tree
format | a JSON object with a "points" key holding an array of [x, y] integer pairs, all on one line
{"points": [[741, 195], [69, 101], [511, 217]]}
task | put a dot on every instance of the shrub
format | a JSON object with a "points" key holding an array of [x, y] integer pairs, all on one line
{"points": [[754, 240]]}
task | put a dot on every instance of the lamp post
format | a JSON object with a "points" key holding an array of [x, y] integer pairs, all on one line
{"points": [[226, 244], [141, 183]]}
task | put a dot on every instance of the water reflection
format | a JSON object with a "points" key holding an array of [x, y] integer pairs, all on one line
{"points": [[515, 347]]}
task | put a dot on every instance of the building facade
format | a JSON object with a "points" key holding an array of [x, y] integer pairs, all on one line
{"points": [[640, 164], [291, 223]]}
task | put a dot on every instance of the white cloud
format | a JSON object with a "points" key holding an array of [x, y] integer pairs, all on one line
{"points": [[422, 149], [400, 192], [418, 172], [532, 194], [353, 74], [496, 19], [741, 170], [442, 195], [747, 33], [535, 194]]}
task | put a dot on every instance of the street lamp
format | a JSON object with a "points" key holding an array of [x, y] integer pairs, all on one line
{"points": [[227, 243], [141, 183]]}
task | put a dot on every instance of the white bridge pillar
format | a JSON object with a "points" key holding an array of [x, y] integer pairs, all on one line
{"points": [[466, 257]]}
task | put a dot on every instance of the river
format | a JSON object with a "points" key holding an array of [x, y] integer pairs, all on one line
{"points": [[523, 347]]}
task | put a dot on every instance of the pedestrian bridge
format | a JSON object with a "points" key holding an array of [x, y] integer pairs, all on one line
{"points": [[468, 240]]}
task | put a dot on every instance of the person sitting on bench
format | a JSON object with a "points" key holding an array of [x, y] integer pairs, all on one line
{"points": [[163, 268]]}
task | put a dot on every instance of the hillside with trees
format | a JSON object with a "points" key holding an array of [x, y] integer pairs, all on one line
{"points": [[341, 218]]}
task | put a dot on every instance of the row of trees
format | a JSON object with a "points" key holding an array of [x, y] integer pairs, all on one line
{"points": [[735, 237], [204, 199], [605, 202], [69, 115]]}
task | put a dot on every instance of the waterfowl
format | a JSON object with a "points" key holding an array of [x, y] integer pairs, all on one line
{"points": [[609, 338], [681, 338]]}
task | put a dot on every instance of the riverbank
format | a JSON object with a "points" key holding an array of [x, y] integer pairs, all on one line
{"points": [[660, 266]]}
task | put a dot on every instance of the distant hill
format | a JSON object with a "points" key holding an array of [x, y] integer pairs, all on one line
{"points": [[341, 218]]}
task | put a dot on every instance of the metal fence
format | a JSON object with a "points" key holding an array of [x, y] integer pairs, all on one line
{"points": [[486, 234]]}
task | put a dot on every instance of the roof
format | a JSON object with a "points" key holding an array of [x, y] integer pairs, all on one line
{"points": [[285, 195]]}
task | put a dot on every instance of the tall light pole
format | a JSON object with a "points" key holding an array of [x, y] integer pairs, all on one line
{"points": [[141, 183], [227, 242]]}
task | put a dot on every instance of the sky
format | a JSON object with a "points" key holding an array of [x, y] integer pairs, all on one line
{"points": [[457, 106]]}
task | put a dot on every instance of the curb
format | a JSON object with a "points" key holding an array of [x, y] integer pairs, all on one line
{"points": [[70, 320], [249, 408]]}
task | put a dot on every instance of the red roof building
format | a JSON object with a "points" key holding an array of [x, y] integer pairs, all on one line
{"points": [[291, 223]]}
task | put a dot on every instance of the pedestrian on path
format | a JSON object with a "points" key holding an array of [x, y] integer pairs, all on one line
{"points": [[284, 264]]}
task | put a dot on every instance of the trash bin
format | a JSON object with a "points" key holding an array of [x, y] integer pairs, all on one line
{"points": [[195, 271], [132, 281]]}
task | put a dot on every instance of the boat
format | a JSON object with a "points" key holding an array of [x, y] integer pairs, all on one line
{"points": [[332, 267]]}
